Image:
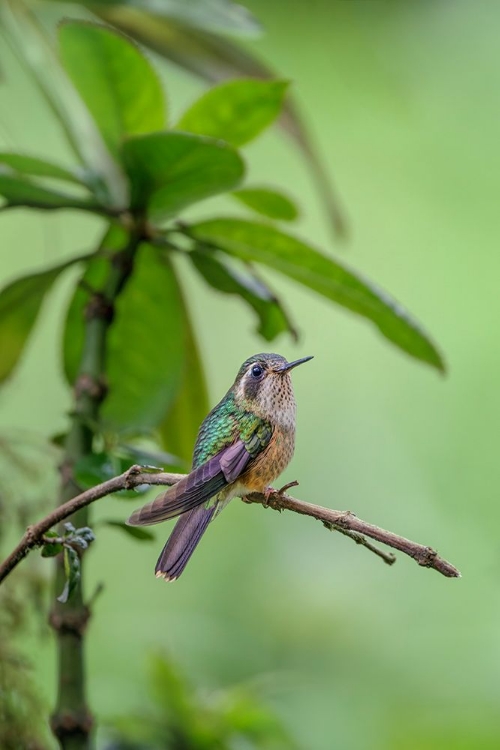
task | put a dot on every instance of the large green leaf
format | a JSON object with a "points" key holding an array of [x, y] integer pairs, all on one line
{"points": [[268, 202], [170, 171], [236, 111], [114, 79], [190, 406], [20, 304], [145, 354], [20, 191], [145, 340], [272, 318], [266, 245]]}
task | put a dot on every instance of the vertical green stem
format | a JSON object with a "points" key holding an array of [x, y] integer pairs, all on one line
{"points": [[72, 720]]}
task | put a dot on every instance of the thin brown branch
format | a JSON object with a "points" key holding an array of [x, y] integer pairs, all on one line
{"points": [[339, 520]]}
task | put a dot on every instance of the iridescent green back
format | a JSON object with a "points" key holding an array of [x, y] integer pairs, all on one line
{"points": [[226, 423]]}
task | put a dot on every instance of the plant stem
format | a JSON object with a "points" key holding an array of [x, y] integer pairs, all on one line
{"points": [[72, 721]]}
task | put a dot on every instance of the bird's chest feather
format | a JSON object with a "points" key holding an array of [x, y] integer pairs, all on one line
{"points": [[273, 460]]}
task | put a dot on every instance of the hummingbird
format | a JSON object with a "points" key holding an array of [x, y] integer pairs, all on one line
{"points": [[243, 445]]}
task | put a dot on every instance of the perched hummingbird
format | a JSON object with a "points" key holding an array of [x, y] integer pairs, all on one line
{"points": [[243, 445]]}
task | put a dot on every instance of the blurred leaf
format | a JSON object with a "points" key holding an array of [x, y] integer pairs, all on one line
{"points": [[51, 549], [140, 454], [20, 304], [114, 79], [96, 468], [236, 111], [72, 572], [34, 49], [248, 716], [264, 244], [20, 191], [211, 15], [170, 171], [134, 531], [267, 202], [190, 406], [145, 354], [224, 278], [214, 59], [171, 690], [203, 53], [31, 165], [182, 716]]}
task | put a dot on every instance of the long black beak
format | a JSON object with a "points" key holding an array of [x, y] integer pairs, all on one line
{"points": [[296, 363]]}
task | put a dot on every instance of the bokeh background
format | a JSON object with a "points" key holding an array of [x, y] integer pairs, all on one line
{"points": [[403, 100]]}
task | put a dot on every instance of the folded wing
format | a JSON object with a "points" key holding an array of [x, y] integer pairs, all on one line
{"points": [[197, 487]]}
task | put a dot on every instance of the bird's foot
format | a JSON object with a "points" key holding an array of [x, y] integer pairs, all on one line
{"points": [[268, 493]]}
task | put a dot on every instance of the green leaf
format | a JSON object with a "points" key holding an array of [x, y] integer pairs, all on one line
{"points": [[272, 318], [114, 79], [190, 406], [20, 191], [210, 15], [35, 51], [236, 111], [72, 572], [155, 457], [96, 468], [31, 165], [20, 303], [145, 341], [134, 531], [266, 245], [145, 345], [51, 549], [267, 202], [170, 171]]}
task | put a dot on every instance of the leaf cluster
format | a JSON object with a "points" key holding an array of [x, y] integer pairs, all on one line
{"points": [[180, 716], [151, 172], [70, 543]]}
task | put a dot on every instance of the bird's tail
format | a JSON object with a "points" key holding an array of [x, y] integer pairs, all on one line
{"points": [[182, 542]]}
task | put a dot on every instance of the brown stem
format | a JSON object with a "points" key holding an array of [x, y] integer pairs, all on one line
{"points": [[340, 520]]}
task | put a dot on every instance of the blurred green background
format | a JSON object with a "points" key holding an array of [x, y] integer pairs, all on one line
{"points": [[403, 99]]}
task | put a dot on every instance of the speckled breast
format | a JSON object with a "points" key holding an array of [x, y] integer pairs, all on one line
{"points": [[272, 461]]}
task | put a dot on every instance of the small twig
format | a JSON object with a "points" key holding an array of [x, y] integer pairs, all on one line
{"points": [[344, 521], [387, 557]]}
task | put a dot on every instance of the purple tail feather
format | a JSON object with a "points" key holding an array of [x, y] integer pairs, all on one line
{"points": [[182, 542]]}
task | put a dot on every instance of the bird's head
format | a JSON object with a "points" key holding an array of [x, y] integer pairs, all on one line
{"points": [[263, 384]]}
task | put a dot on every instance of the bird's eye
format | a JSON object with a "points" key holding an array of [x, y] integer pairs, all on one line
{"points": [[256, 371]]}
